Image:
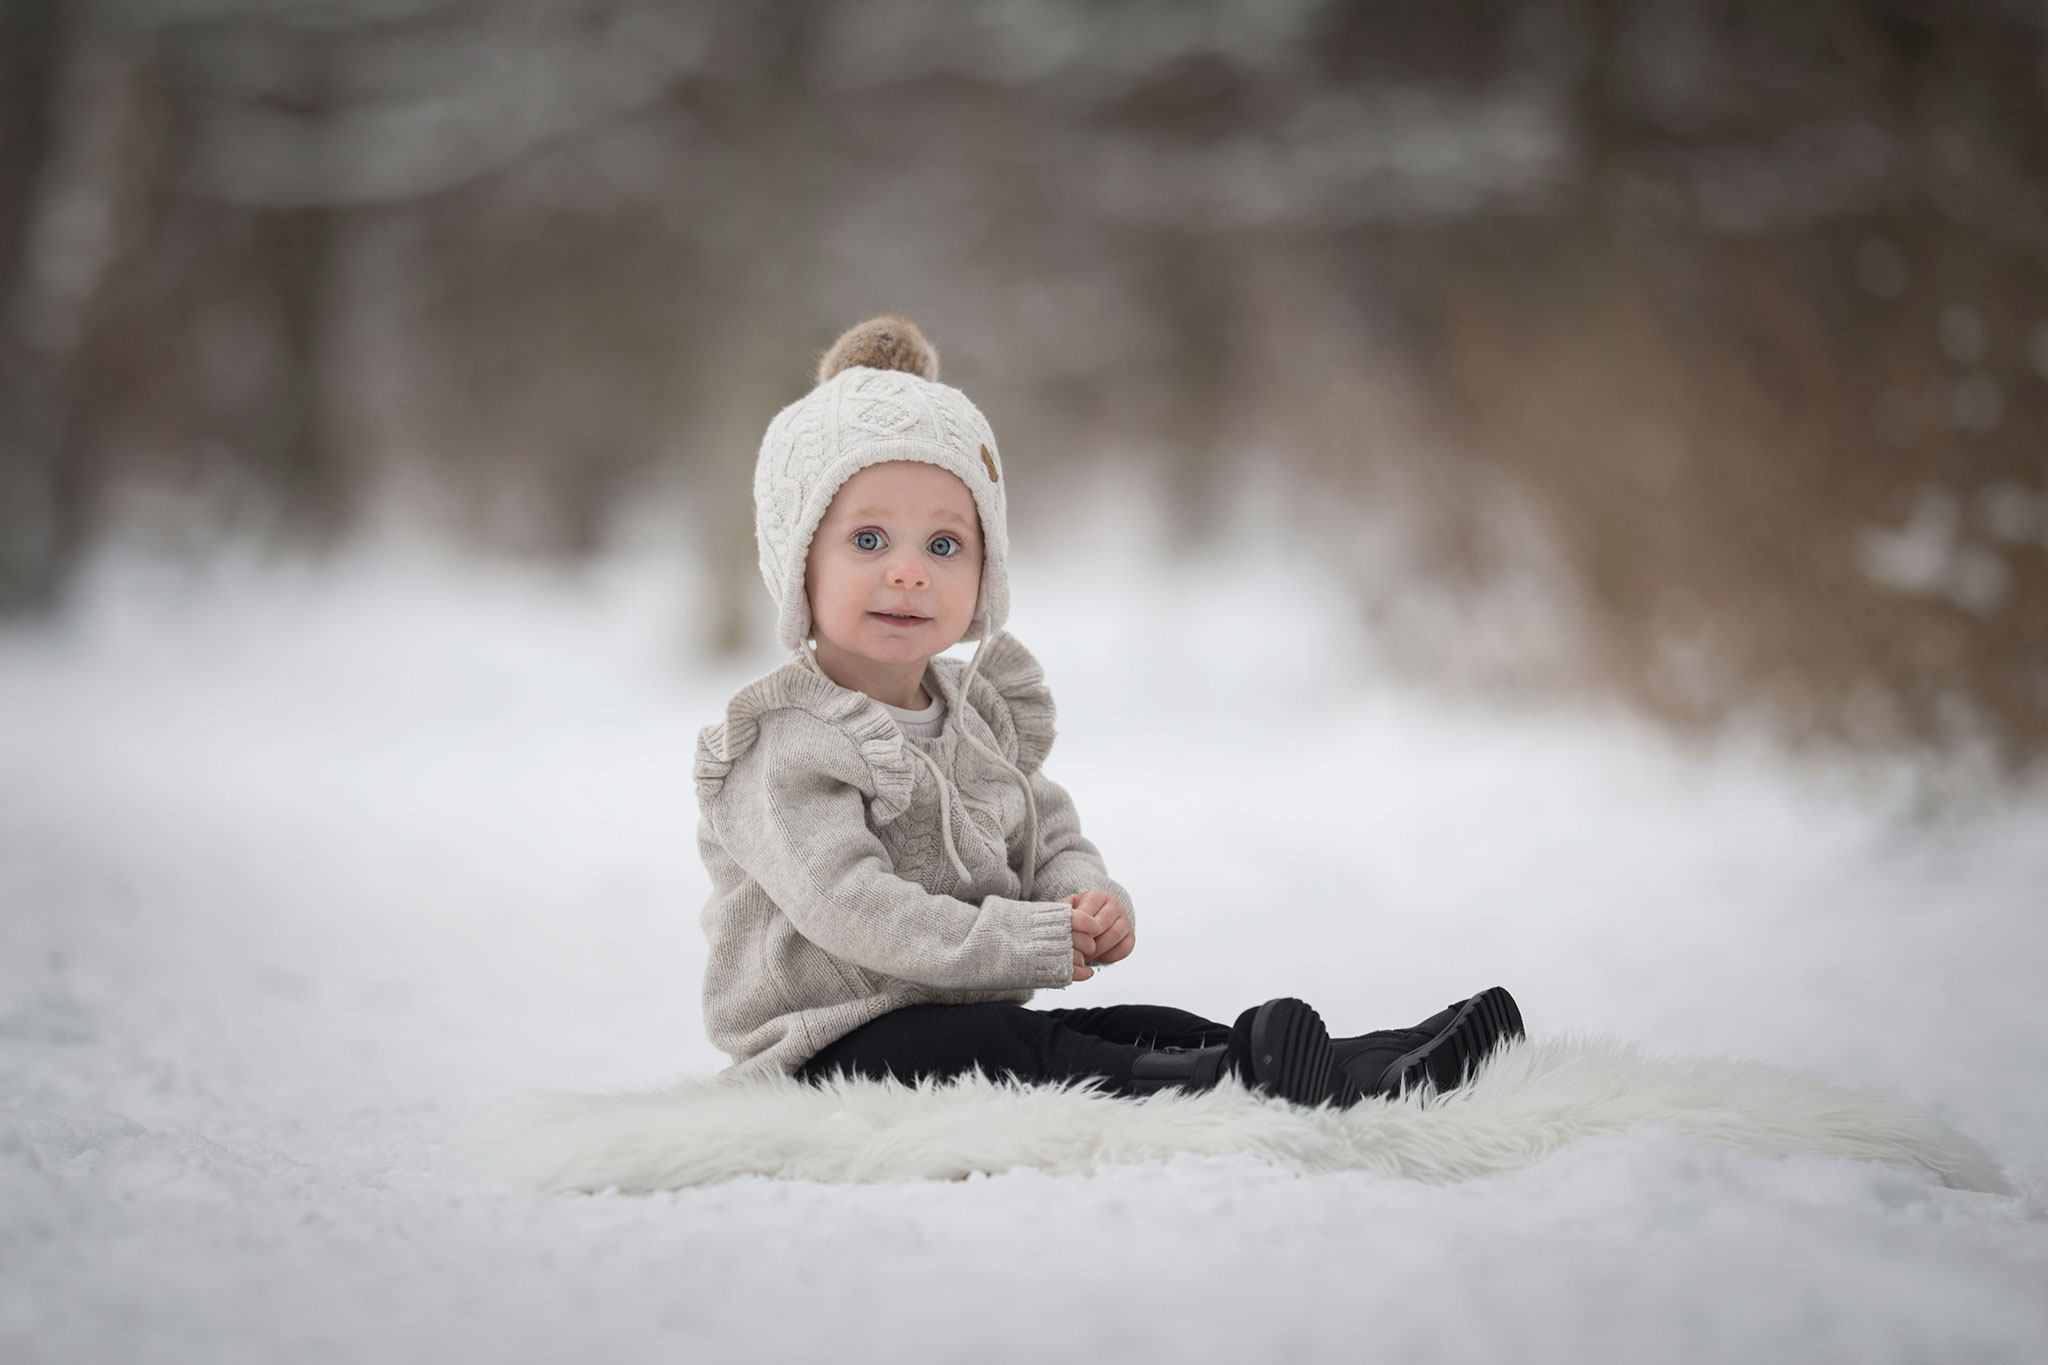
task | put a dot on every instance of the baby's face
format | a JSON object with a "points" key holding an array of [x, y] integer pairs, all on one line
{"points": [[895, 567]]}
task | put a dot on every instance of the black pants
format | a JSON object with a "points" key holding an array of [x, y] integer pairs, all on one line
{"points": [[920, 1042]]}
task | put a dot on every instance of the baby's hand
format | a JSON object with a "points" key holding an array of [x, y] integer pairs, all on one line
{"points": [[1084, 941], [1108, 927]]}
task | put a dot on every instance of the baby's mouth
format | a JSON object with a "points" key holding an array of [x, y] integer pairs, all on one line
{"points": [[899, 618]]}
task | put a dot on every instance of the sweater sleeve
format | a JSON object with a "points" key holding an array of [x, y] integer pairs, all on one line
{"points": [[1067, 861], [790, 813]]}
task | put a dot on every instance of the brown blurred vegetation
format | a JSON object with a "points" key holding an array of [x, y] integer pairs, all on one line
{"points": [[1693, 349]]}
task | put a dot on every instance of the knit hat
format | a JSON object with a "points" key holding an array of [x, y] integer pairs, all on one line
{"points": [[878, 398]]}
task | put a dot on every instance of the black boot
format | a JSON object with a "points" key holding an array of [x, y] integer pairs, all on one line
{"points": [[1278, 1048], [1444, 1049], [1180, 1068], [1282, 1049]]}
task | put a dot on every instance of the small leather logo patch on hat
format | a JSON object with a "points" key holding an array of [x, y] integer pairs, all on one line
{"points": [[989, 462]]}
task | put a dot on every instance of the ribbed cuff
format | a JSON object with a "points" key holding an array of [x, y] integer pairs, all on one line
{"points": [[1047, 941]]}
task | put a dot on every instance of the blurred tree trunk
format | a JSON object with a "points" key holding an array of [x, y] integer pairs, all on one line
{"points": [[31, 39], [31, 47], [292, 257], [1192, 290], [755, 303], [72, 183]]}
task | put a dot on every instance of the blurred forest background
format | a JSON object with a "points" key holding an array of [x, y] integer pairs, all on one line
{"points": [[1690, 351]]}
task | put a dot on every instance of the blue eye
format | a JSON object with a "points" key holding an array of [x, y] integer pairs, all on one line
{"points": [[868, 540], [945, 547]]}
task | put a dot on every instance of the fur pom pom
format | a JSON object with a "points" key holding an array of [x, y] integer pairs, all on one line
{"points": [[884, 343]]}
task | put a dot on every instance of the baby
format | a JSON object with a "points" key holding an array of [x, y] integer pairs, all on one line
{"points": [[893, 874]]}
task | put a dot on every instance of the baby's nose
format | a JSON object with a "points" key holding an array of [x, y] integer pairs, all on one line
{"points": [[906, 573]]}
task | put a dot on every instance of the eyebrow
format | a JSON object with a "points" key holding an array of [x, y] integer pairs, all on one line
{"points": [[882, 514]]}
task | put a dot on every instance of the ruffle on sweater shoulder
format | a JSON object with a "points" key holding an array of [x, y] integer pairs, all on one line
{"points": [[890, 772], [1010, 692]]}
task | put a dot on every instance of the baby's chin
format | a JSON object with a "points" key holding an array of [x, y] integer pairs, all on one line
{"points": [[906, 651], [897, 647]]}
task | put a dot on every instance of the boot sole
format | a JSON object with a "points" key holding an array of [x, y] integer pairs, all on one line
{"points": [[1448, 1060], [1290, 1052]]}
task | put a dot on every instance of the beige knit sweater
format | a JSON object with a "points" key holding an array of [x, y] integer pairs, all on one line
{"points": [[834, 899]]}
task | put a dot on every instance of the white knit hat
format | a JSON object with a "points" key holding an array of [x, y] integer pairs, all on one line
{"points": [[878, 398]]}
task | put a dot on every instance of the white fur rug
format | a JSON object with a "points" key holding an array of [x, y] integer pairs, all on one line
{"points": [[1528, 1102]]}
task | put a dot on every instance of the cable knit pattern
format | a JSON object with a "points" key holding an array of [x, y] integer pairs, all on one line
{"points": [[833, 899]]}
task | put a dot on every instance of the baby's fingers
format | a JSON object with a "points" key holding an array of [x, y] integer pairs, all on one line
{"points": [[1115, 942], [1085, 929], [1082, 971]]}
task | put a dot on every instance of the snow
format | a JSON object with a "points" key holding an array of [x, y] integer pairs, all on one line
{"points": [[300, 870]]}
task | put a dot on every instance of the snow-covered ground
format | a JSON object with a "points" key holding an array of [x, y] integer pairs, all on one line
{"points": [[300, 870]]}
